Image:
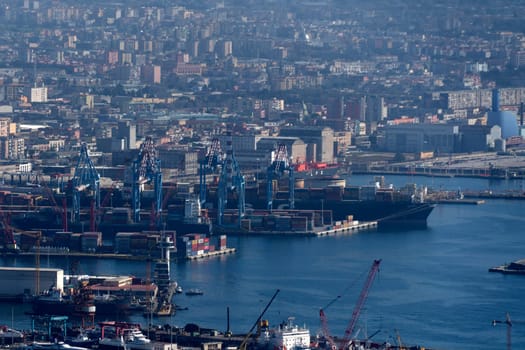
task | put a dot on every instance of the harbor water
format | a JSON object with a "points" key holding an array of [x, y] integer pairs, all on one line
{"points": [[433, 288]]}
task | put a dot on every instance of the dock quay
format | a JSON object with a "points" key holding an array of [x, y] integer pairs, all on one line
{"points": [[361, 226], [457, 201], [317, 232], [115, 256], [127, 257], [212, 254], [476, 165], [518, 195]]}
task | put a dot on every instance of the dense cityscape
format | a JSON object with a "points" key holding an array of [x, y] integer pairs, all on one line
{"points": [[164, 126]]}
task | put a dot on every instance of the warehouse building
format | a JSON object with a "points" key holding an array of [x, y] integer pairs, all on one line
{"points": [[20, 281]]}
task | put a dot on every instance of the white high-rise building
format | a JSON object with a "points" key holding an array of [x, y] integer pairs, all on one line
{"points": [[38, 94]]}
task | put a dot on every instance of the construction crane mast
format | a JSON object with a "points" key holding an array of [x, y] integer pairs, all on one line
{"points": [[211, 161], [279, 165], [232, 179], [85, 178], [360, 302], [146, 170]]}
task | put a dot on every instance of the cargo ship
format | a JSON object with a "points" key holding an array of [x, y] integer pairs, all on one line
{"points": [[390, 207]]}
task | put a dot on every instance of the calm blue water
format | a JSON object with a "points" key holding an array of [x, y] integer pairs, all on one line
{"points": [[433, 287]]}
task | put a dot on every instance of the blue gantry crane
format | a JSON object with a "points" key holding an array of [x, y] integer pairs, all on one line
{"points": [[86, 178], [146, 170], [210, 163], [231, 180], [279, 166]]}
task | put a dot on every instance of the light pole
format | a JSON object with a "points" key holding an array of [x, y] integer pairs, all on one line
{"points": [[322, 212]]}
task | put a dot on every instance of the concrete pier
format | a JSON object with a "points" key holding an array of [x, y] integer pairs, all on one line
{"points": [[361, 226]]}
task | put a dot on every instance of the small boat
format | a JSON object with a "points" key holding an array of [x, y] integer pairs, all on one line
{"points": [[194, 291], [82, 339], [53, 346], [178, 290], [131, 338], [10, 336]]}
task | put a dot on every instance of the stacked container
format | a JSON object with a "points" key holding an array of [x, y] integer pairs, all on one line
{"points": [[90, 241], [193, 245]]}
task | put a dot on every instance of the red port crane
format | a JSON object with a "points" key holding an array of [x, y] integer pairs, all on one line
{"points": [[355, 314], [324, 325], [360, 302]]}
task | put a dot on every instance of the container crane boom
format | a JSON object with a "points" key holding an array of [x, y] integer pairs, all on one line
{"points": [[230, 179], [211, 161], [85, 177], [146, 169], [360, 302], [279, 165]]}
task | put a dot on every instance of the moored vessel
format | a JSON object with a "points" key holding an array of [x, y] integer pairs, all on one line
{"points": [[390, 207], [126, 336], [287, 336], [10, 336]]}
